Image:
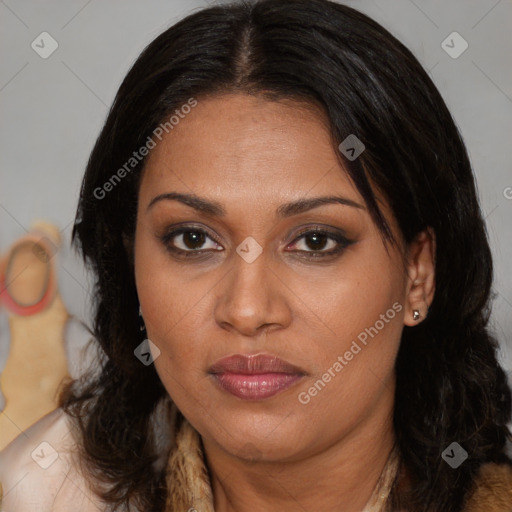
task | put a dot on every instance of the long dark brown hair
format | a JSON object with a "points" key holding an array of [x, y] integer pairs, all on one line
{"points": [[450, 386]]}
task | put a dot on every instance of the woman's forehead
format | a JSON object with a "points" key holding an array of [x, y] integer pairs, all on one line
{"points": [[244, 144]]}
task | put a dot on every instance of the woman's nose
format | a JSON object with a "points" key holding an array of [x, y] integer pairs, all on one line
{"points": [[252, 297]]}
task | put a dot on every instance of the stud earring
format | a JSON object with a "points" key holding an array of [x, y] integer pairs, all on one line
{"points": [[416, 314], [142, 325]]}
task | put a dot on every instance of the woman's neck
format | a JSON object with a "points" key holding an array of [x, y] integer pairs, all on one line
{"points": [[341, 478]]}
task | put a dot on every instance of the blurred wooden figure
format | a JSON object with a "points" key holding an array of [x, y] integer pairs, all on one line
{"points": [[37, 364]]}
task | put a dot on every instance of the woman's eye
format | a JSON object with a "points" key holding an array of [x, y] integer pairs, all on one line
{"points": [[189, 240], [320, 243]]}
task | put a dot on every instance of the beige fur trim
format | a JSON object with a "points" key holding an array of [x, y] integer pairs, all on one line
{"points": [[187, 478], [493, 490]]}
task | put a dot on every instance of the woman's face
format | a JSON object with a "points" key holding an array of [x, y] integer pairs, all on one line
{"points": [[250, 276]]}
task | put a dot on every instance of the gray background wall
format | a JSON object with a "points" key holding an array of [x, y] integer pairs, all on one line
{"points": [[52, 110]]}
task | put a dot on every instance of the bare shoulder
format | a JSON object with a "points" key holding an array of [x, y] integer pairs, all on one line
{"points": [[37, 470]]}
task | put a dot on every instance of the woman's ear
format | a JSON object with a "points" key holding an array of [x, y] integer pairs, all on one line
{"points": [[421, 276]]}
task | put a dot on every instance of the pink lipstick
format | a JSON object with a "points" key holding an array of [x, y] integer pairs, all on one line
{"points": [[255, 377]]}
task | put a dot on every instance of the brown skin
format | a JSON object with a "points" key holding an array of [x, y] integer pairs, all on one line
{"points": [[252, 155]]}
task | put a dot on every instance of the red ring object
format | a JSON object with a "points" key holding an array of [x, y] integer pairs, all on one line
{"points": [[47, 295]]}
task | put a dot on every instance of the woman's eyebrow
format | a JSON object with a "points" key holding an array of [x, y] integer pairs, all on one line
{"points": [[200, 204], [303, 205], [215, 209]]}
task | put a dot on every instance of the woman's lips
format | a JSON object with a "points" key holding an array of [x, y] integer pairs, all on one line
{"points": [[255, 377], [257, 386]]}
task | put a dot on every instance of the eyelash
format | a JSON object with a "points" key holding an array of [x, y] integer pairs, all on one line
{"points": [[342, 242]]}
